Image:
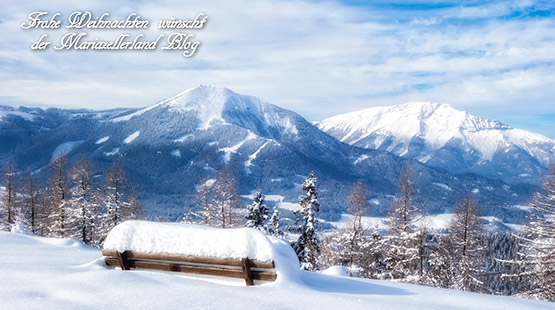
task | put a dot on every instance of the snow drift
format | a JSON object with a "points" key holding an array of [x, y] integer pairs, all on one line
{"points": [[45, 273]]}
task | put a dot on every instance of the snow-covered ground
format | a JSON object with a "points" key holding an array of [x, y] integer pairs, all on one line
{"points": [[64, 149], [132, 137], [44, 273]]}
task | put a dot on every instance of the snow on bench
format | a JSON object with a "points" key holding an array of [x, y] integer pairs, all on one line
{"points": [[238, 253]]}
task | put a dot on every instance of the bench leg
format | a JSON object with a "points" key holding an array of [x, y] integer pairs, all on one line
{"points": [[122, 257], [247, 271]]}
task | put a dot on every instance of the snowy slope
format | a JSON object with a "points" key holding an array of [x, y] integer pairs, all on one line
{"points": [[64, 274], [438, 135]]}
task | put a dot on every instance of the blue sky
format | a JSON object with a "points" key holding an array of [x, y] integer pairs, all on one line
{"points": [[494, 59]]}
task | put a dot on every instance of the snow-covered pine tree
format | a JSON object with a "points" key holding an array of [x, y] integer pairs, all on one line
{"points": [[274, 228], [257, 213], [83, 202], [402, 241], [307, 246], [465, 234], [57, 199], [539, 243], [8, 202], [226, 199]]}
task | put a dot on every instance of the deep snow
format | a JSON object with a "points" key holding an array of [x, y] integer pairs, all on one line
{"points": [[45, 273]]}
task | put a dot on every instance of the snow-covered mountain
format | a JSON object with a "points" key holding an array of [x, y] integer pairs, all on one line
{"points": [[441, 136], [169, 147]]}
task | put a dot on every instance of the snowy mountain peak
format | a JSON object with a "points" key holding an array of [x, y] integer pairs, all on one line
{"points": [[417, 118], [202, 97], [206, 102], [208, 106], [440, 135]]}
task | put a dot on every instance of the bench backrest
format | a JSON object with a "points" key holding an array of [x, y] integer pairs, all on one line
{"points": [[245, 268]]}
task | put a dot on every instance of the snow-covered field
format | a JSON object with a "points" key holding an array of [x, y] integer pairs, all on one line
{"points": [[44, 273]]}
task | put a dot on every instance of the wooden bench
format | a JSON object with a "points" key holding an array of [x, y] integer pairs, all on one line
{"points": [[245, 268]]}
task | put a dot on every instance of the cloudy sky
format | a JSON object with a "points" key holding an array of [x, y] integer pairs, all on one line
{"points": [[318, 58]]}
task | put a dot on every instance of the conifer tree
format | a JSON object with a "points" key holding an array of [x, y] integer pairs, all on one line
{"points": [[307, 246], [274, 228], [257, 213]]}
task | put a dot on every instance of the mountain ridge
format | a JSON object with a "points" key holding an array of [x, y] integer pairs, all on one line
{"points": [[441, 136], [169, 147]]}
